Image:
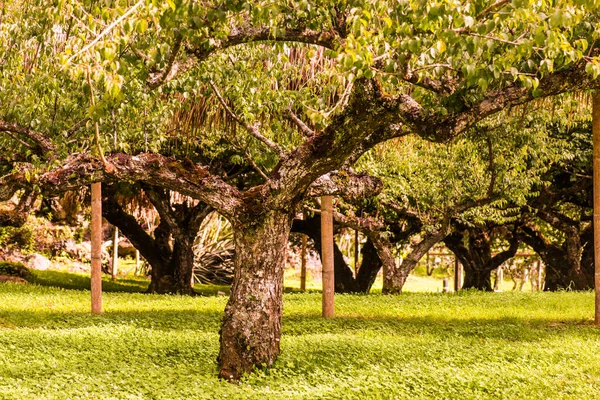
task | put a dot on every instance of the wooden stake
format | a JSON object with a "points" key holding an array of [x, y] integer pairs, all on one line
{"points": [[356, 253], [539, 276], [96, 278], [596, 165], [115, 260], [303, 266], [137, 261], [457, 274], [327, 255]]}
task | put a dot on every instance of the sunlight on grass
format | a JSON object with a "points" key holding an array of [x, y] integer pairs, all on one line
{"points": [[418, 345]]}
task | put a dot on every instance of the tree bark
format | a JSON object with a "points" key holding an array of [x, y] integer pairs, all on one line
{"points": [[477, 259], [563, 269], [369, 267], [251, 329], [394, 281], [344, 280]]}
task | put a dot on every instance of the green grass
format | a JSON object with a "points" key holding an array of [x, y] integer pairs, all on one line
{"points": [[417, 345]]}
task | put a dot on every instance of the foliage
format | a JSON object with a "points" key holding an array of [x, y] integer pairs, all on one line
{"points": [[496, 167], [21, 238], [214, 251], [14, 269], [467, 346]]}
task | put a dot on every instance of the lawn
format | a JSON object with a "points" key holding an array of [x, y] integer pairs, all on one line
{"points": [[416, 345]]}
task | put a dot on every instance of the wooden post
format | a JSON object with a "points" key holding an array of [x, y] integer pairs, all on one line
{"points": [[457, 275], [539, 276], [446, 286], [356, 253], [115, 260], [327, 255], [499, 278], [137, 262], [96, 274], [303, 266], [596, 219], [303, 259]]}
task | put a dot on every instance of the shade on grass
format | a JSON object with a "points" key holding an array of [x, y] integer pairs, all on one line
{"points": [[470, 345]]}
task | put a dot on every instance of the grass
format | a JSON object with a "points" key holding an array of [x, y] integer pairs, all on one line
{"points": [[417, 345]]}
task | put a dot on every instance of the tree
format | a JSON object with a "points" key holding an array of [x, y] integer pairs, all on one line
{"points": [[172, 264], [557, 223], [393, 68], [476, 256]]}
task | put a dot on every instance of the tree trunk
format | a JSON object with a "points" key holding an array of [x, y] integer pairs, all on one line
{"points": [[394, 282], [394, 277], [182, 265], [563, 270], [476, 278], [369, 268], [251, 328], [477, 260], [344, 279]]}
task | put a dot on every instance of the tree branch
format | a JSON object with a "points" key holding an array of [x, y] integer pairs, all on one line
{"points": [[300, 124], [107, 30], [252, 129], [153, 169], [43, 144], [159, 77], [247, 34], [443, 129], [346, 184], [162, 202]]}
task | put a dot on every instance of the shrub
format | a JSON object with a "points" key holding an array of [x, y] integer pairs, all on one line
{"points": [[14, 269]]}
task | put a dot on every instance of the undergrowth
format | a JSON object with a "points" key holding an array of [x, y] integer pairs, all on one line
{"points": [[461, 346]]}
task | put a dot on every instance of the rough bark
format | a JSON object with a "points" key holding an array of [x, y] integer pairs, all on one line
{"points": [[369, 267], [172, 265], [477, 259], [563, 270], [251, 329], [394, 280]]}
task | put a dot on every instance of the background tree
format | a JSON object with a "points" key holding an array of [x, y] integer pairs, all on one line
{"points": [[397, 68]]}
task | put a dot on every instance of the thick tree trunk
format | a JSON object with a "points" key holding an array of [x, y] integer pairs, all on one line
{"points": [[182, 264], [162, 275], [477, 260], [369, 268], [344, 279], [394, 277], [394, 282], [479, 279], [563, 270], [251, 329]]}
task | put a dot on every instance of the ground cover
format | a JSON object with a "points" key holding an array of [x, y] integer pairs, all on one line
{"points": [[416, 345]]}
